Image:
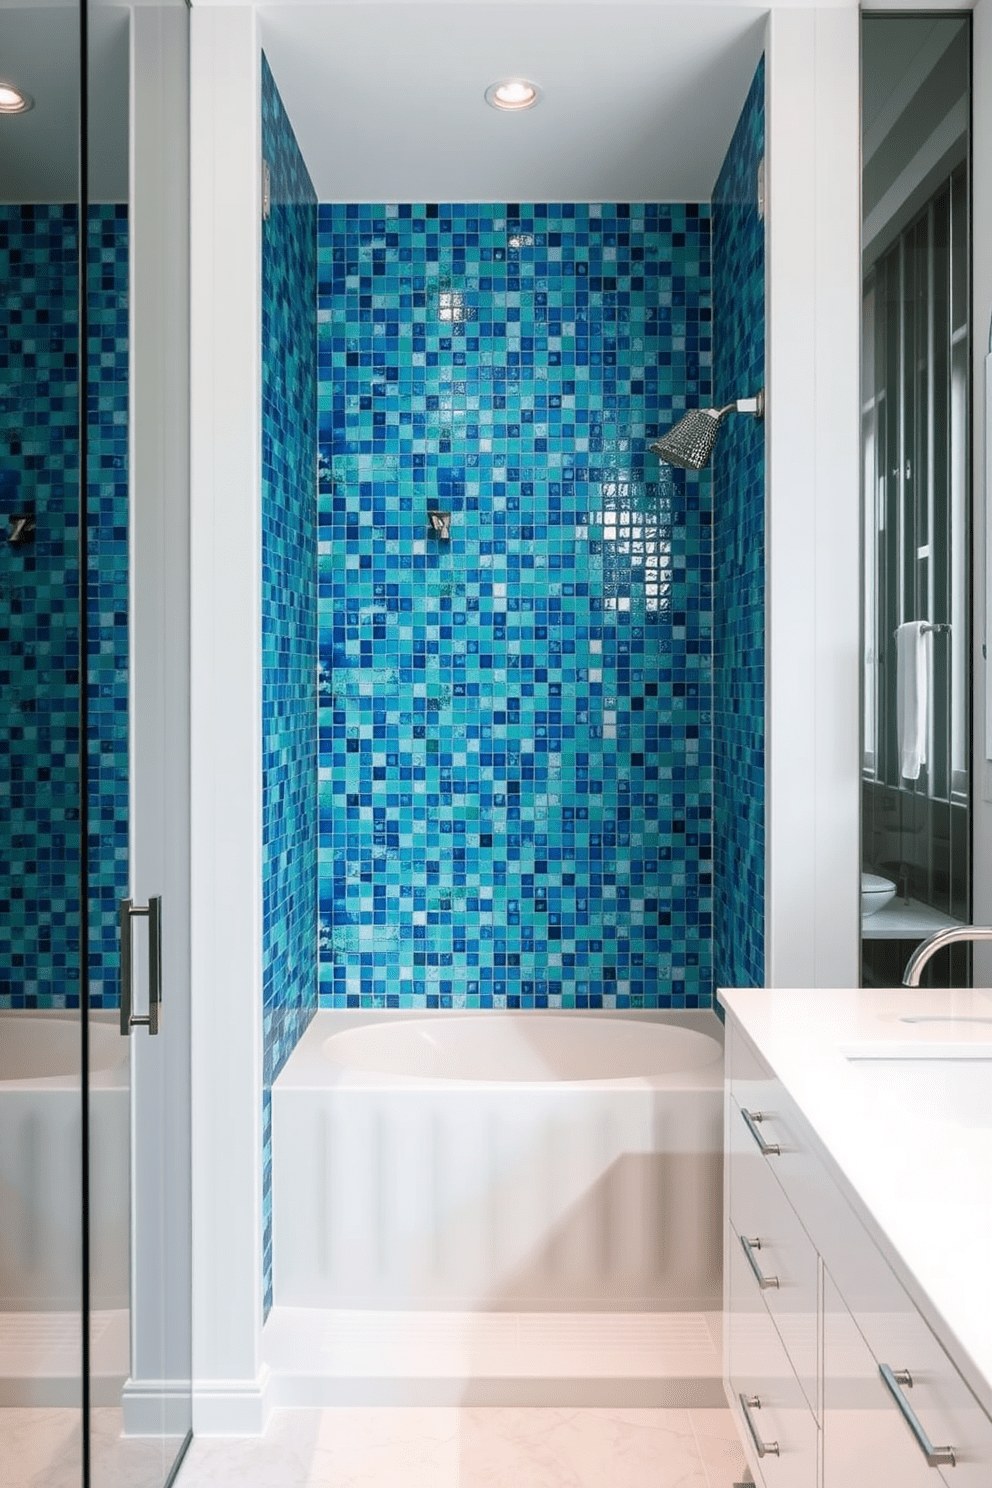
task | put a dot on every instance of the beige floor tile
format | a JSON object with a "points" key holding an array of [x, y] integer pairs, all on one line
{"points": [[361, 1447], [119, 1461], [451, 1448], [589, 1448], [40, 1447], [720, 1447]]}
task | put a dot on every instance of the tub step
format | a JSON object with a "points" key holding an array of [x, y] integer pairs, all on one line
{"points": [[40, 1357], [321, 1357]]}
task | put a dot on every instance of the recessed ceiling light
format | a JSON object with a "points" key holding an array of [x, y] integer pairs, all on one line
{"points": [[512, 95], [14, 100]]}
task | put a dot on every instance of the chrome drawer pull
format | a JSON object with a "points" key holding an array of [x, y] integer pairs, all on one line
{"points": [[892, 1379], [750, 1246], [768, 1149], [749, 1403]]}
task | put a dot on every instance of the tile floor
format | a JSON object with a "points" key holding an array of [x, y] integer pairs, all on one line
{"points": [[474, 1447], [41, 1447]]}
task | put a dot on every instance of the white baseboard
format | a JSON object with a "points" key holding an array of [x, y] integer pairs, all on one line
{"points": [[156, 1407], [232, 1407]]}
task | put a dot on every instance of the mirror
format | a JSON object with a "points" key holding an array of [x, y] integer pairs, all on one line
{"points": [[916, 703]]}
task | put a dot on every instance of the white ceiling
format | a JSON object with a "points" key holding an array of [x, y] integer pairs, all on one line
{"points": [[639, 101]]}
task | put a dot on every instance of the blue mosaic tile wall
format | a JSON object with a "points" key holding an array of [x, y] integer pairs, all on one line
{"points": [[739, 558], [289, 611], [39, 635], [515, 795]]}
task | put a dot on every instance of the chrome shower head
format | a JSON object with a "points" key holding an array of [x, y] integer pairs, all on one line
{"points": [[690, 442]]}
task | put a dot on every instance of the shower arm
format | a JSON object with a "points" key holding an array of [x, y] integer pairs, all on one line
{"points": [[754, 405]]}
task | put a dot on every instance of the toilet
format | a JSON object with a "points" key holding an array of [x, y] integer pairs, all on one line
{"points": [[876, 892]]}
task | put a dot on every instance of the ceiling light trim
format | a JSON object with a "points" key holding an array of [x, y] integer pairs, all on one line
{"points": [[512, 95], [14, 100]]}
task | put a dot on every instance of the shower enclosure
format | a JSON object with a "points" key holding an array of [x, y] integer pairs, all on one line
{"points": [[94, 1126], [916, 828]]}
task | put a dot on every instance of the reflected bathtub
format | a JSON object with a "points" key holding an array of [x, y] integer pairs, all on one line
{"points": [[40, 1135], [502, 1161]]}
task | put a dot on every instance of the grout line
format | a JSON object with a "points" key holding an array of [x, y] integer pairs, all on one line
{"points": [[695, 1436]]}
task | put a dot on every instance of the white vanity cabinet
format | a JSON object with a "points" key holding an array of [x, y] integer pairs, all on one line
{"points": [[814, 1314]]}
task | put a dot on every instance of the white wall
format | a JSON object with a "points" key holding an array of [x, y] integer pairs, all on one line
{"points": [[226, 729], [813, 501]]}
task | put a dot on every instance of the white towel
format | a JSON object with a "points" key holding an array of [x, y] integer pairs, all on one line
{"points": [[912, 697]]}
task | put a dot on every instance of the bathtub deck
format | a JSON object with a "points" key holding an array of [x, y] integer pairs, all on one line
{"points": [[328, 1357]]}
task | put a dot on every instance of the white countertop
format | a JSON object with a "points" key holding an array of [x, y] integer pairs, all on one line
{"points": [[924, 1180]]}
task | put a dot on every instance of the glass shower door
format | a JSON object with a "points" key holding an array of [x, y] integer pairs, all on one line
{"points": [[42, 1033], [137, 505]]}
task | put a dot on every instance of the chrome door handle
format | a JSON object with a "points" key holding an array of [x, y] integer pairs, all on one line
{"points": [[893, 1379], [130, 911], [749, 1403], [768, 1149], [750, 1246]]}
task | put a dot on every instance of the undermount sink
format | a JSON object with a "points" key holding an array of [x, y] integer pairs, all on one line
{"points": [[933, 1083]]}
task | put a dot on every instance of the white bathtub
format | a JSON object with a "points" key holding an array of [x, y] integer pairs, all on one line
{"points": [[500, 1161], [40, 1129]]}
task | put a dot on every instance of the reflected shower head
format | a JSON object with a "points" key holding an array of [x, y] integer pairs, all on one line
{"points": [[690, 442]]}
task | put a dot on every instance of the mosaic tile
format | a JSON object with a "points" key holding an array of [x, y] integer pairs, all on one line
{"points": [[739, 559], [515, 803], [289, 611], [39, 588]]}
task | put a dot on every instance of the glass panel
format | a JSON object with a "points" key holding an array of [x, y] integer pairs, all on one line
{"points": [[939, 391], [107, 347], [873, 526], [136, 499], [959, 485], [41, 1050], [890, 577]]}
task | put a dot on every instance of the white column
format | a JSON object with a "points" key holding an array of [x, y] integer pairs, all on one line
{"points": [[156, 1396], [813, 498], [226, 748]]}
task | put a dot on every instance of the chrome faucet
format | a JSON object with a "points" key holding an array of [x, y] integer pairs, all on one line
{"points": [[930, 947]]}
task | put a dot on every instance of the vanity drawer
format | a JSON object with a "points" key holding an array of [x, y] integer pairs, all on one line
{"points": [[782, 1255], [865, 1441], [774, 1414], [937, 1396], [780, 1135]]}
